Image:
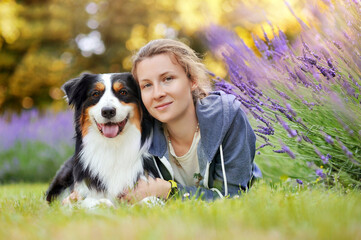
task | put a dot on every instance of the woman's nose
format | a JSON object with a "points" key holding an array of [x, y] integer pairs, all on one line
{"points": [[158, 91]]}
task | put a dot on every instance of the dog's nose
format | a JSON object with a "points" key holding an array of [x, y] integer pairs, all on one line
{"points": [[108, 112]]}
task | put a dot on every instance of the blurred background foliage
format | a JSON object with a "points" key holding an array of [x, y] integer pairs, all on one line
{"points": [[43, 43]]}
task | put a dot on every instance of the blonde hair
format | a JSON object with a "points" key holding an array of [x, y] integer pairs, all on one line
{"points": [[186, 58]]}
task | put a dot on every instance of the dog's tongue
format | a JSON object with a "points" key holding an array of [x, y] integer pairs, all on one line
{"points": [[110, 130]]}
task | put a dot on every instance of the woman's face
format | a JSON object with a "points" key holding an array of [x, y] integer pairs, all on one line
{"points": [[165, 88]]}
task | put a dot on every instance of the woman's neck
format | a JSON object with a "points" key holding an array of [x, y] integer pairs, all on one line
{"points": [[181, 133]]}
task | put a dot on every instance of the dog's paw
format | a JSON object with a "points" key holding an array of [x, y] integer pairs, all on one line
{"points": [[92, 202], [106, 201]]}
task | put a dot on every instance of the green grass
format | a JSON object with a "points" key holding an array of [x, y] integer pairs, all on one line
{"points": [[281, 211], [32, 161]]}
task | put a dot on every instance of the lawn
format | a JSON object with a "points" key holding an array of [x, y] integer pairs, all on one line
{"points": [[268, 211]]}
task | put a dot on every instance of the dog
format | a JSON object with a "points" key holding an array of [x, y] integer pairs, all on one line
{"points": [[112, 133]]}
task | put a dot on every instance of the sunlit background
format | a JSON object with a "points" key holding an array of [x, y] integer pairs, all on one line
{"points": [[43, 43], [294, 66]]}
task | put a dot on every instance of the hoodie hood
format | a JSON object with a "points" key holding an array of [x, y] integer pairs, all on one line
{"points": [[215, 115]]}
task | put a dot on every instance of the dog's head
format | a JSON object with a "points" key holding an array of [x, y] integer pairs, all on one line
{"points": [[106, 103]]}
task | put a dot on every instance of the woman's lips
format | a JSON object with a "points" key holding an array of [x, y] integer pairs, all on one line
{"points": [[163, 106]]}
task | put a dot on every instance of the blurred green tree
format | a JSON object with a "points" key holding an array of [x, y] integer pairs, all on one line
{"points": [[37, 50], [43, 43]]}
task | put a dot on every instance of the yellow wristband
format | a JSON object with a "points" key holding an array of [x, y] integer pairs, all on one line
{"points": [[173, 189]]}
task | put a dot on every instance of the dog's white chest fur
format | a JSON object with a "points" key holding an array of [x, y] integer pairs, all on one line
{"points": [[115, 162]]}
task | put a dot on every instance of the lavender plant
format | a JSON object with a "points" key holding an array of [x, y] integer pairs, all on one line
{"points": [[304, 96], [33, 145], [54, 129]]}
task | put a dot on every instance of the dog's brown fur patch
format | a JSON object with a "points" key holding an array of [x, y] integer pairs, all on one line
{"points": [[85, 122], [117, 86], [136, 119]]}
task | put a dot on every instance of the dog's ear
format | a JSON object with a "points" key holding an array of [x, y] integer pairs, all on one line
{"points": [[132, 80], [73, 88], [68, 89], [147, 119]]}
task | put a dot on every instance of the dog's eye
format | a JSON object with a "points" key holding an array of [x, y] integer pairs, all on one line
{"points": [[95, 94], [123, 92]]}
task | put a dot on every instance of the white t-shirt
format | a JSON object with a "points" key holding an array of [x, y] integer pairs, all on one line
{"points": [[185, 167]]}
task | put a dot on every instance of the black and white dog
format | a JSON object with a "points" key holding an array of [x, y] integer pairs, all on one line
{"points": [[112, 132]]}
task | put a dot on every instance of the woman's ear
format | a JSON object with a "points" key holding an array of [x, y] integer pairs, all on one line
{"points": [[194, 85]]}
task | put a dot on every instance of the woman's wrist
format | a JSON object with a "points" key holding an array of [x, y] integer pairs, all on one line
{"points": [[164, 188], [173, 190]]}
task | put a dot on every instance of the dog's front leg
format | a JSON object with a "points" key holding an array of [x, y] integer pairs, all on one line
{"points": [[86, 198]]}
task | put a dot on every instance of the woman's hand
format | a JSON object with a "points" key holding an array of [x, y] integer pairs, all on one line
{"points": [[152, 187], [72, 198]]}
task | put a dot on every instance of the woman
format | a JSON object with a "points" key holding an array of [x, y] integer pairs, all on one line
{"points": [[202, 140]]}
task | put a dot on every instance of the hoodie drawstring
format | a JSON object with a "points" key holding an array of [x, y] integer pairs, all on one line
{"points": [[224, 172], [224, 176]]}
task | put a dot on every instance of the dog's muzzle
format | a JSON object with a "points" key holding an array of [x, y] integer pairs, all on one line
{"points": [[111, 129]]}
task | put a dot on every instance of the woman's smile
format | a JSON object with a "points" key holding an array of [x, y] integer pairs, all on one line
{"points": [[163, 106]]}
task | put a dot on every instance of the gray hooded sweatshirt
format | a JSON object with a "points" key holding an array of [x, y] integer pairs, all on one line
{"points": [[225, 151]]}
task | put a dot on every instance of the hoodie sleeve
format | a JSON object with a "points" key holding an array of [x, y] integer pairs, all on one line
{"points": [[197, 192]]}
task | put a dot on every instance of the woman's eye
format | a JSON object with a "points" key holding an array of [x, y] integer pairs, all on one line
{"points": [[95, 94], [123, 92], [168, 78], [146, 85]]}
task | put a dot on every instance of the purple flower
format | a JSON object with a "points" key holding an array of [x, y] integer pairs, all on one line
{"points": [[289, 108], [323, 157], [327, 158], [279, 151], [328, 73], [348, 88], [320, 173], [299, 181], [348, 153], [282, 94], [293, 76], [258, 117], [329, 139], [337, 44], [285, 149], [211, 74], [261, 46], [291, 132], [301, 76], [263, 137], [263, 145], [329, 63], [266, 130], [288, 151], [310, 61]]}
